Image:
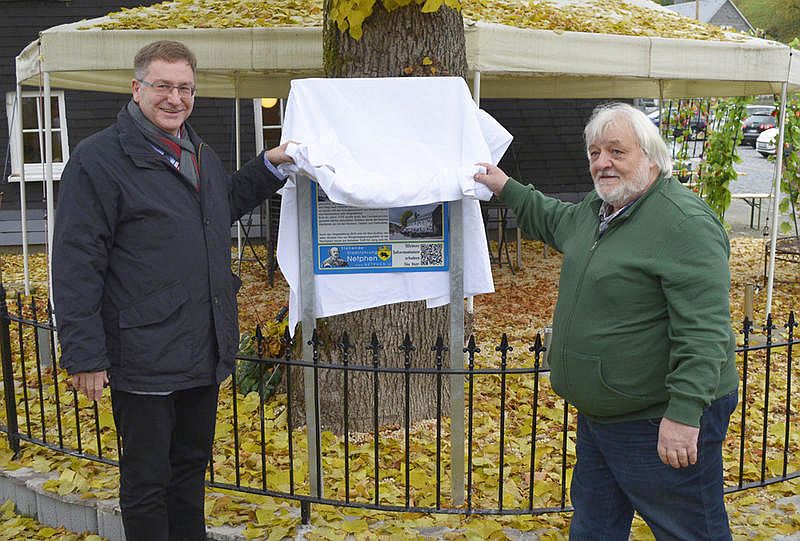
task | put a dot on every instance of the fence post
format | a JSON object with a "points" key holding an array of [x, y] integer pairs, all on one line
{"points": [[309, 320], [456, 353], [749, 294], [8, 373]]}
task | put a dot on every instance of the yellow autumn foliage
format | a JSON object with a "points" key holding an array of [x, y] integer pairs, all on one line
{"points": [[597, 16]]}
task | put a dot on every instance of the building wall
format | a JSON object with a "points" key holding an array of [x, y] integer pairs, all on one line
{"points": [[548, 149]]}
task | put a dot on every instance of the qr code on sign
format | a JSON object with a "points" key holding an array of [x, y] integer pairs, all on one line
{"points": [[431, 254]]}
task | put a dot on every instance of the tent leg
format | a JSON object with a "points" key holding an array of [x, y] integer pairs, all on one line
{"points": [[776, 207], [237, 107], [476, 95], [48, 177], [23, 204]]}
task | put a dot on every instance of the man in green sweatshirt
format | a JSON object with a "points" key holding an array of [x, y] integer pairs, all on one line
{"points": [[642, 340]]}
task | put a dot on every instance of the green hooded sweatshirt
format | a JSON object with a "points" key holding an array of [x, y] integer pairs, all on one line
{"points": [[642, 325]]}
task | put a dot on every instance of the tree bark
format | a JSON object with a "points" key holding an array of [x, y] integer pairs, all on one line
{"points": [[396, 44], [403, 42]]}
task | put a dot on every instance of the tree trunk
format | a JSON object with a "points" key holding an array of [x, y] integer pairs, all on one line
{"points": [[403, 42], [397, 43]]}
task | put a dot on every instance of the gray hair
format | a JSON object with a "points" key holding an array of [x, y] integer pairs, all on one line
{"points": [[646, 133]]}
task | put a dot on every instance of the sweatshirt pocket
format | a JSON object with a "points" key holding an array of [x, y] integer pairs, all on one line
{"points": [[603, 387], [155, 333]]}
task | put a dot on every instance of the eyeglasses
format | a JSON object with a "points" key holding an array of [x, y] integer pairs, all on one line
{"points": [[165, 89]]}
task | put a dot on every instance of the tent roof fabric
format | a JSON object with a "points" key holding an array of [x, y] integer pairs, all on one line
{"points": [[513, 62]]}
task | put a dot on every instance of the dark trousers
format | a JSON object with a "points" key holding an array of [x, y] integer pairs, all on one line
{"points": [[619, 471], [166, 446]]}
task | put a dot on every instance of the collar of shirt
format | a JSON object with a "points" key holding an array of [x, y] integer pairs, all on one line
{"points": [[607, 216]]}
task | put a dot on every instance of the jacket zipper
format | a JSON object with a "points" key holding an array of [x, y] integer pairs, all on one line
{"points": [[578, 289]]}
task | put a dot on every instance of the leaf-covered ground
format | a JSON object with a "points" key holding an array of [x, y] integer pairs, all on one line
{"points": [[522, 306]]}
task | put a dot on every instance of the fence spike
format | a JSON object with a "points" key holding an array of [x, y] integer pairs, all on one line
{"points": [[471, 347], [259, 341], [375, 347], [769, 327], [439, 346], [374, 344], [344, 344], [287, 340], [792, 323], [504, 347], [407, 346], [747, 327], [538, 346], [314, 339]]}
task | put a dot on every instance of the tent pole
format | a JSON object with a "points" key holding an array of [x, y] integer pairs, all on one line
{"points": [[476, 95], [237, 107], [258, 122], [48, 176], [776, 206], [23, 204], [661, 106]]}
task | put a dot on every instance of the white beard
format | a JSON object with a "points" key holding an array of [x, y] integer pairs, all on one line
{"points": [[627, 189]]}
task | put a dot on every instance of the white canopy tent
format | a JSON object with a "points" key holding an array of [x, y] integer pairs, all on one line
{"points": [[513, 62], [503, 61]]}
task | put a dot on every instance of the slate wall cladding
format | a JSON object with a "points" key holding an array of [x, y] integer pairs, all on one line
{"points": [[548, 149], [729, 16]]}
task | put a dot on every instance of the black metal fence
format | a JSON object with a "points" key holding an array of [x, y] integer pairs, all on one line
{"points": [[518, 441]]}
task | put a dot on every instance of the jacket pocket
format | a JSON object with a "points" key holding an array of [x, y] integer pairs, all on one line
{"points": [[608, 388], [155, 333]]}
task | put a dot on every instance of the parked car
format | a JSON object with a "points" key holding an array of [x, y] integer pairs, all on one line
{"points": [[753, 126], [765, 143], [759, 109], [697, 124]]}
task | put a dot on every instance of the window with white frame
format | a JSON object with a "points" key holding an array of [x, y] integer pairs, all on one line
{"points": [[31, 156], [268, 121]]}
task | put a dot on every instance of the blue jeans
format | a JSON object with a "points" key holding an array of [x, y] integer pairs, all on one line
{"points": [[618, 472]]}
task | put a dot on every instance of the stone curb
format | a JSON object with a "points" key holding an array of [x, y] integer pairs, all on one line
{"points": [[103, 517]]}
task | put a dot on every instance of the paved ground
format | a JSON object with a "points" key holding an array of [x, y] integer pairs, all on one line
{"points": [[755, 176]]}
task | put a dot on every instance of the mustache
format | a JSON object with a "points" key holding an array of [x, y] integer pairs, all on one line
{"points": [[607, 172]]}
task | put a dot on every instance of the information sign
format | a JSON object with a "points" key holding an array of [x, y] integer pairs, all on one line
{"points": [[361, 240]]}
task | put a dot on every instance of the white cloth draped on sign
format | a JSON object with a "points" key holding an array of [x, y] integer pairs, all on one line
{"points": [[385, 143]]}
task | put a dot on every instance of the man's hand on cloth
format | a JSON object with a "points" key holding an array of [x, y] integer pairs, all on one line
{"points": [[277, 155], [494, 178]]}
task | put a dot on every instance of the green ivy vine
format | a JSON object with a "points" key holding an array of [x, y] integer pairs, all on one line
{"points": [[722, 140], [790, 177]]}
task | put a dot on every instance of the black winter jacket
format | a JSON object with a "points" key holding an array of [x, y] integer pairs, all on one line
{"points": [[142, 264]]}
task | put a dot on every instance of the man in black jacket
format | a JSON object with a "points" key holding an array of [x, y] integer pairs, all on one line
{"points": [[145, 300]]}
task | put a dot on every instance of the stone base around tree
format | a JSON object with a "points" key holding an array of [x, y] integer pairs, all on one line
{"points": [[103, 517]]}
